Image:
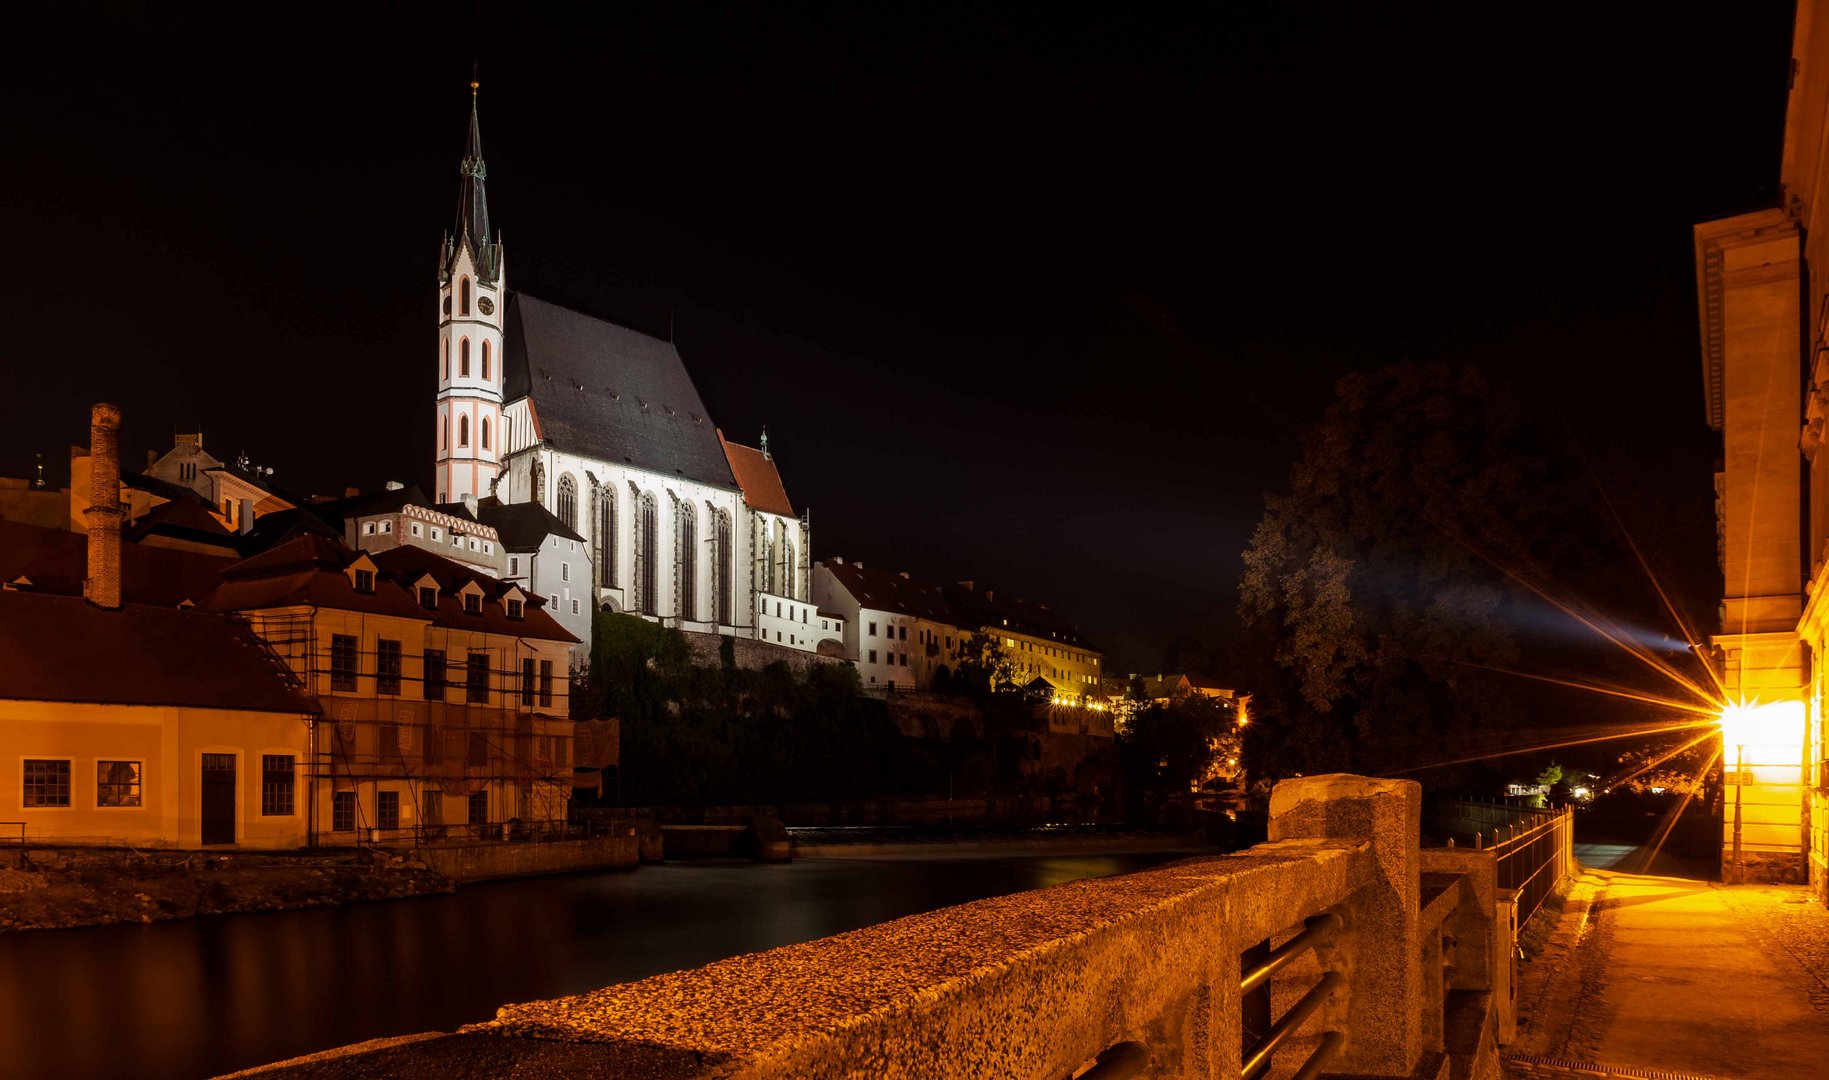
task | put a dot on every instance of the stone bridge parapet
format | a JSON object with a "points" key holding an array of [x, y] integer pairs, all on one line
{"points": [[1153, 970]]}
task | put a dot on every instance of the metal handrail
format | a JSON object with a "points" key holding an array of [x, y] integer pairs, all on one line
{"points": [[1257, 1061], [1315, 931], [1118, 1062]]}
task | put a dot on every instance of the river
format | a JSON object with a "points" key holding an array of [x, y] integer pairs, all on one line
{"points": [[205, 996]]}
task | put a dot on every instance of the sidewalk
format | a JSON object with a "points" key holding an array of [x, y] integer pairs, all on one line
{"points": [[1661, 975]]}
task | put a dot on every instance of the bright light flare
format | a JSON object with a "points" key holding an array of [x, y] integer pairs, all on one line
{"points": [[1769, 726]]}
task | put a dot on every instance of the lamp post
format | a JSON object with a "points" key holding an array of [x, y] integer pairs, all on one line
{"points": [[1739, 788]]}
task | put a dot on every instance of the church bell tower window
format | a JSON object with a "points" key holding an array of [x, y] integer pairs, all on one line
{"points": [[463, 303], [463, 358], [485, 433], [485, 359], [463, 431]]}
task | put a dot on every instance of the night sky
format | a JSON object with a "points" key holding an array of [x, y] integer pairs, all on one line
{"points": [[1026, 296]]}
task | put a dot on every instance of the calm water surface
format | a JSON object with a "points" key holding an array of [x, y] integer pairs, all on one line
{"points": [[206, 996]]}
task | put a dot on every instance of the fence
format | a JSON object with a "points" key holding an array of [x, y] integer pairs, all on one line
{"points": [[1534, 849]]}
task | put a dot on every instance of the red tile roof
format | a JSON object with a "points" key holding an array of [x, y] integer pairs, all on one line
{"points": [[62, 648], [757, 476], [57, 560]]}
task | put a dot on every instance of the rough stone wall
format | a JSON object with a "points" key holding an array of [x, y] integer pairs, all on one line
{"points": [[753, 655]]}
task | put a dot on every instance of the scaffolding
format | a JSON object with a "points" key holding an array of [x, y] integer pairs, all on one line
{"points": [[477, 718]]}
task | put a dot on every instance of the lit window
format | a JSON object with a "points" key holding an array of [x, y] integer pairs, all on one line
{"points": [[117, 783]]}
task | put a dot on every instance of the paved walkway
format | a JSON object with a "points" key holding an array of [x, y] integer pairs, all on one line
{"points": [[1660, 975]]}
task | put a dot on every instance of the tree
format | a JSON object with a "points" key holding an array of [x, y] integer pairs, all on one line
{"points": [[984, 665], [1174, 748], [1371, 580]]}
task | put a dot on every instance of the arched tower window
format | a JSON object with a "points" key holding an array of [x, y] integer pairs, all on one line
{"points": [[444, 368], [687, 520], [463, 303], [606, 538], [720, 570], [444, 432], [646, 528], [485, 433], [787, 571], [568, 501], [485, 359], [463, 431], [539, 482], [463, 358]]}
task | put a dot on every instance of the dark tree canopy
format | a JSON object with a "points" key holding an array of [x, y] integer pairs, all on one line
{"points": [[1371, 583]]}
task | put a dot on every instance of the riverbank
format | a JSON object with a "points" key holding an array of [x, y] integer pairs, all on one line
{"points": [[63, 888]]}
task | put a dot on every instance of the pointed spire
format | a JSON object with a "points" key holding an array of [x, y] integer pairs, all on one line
{"points": [[473, 201], [765, 456]]}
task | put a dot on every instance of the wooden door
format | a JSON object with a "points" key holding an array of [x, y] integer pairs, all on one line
{"points": [[219, 798]]}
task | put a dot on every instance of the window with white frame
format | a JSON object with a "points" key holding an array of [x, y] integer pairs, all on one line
{"points": [[117, 783], [46, 782]]}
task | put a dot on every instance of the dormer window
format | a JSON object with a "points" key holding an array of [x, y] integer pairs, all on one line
{"points": [[365, 581], [473, 603], [428, 597], [514, 609], [368, 529]]}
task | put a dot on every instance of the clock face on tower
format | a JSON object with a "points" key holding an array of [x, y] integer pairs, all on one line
{"points": [[486, 305]]}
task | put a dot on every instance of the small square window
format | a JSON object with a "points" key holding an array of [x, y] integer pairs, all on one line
{"points": [[574, 607], [434, 538], [387, 526], [428, 598], [117, 783], [565, 571], [365, 581], [488, 548], [872, 629], [473, 604], [416, 529], [873, 657], [514, 609], [514, 564]]}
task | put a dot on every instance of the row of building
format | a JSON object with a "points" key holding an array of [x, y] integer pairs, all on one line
{"points": [[195, 655]]}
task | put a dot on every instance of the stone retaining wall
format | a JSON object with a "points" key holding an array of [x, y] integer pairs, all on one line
{"points": [[486, 862]]}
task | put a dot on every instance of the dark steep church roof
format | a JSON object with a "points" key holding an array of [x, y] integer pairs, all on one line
{"points": [[523, 526], [607, 392]]}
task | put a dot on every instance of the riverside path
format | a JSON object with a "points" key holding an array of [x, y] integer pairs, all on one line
{"points": [[1646, 975]]}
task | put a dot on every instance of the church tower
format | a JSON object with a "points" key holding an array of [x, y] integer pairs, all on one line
{"points": [[472, 301]]}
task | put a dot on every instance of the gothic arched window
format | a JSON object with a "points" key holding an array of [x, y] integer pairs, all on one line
{"points": [[606, 538], [539, 483], [485, 359], [444, 368], [720, 570], [568, 501], [444, 432], [686, 520], [463, 358], [463, 431], [646, 528], [485, 433], [463, 304]]}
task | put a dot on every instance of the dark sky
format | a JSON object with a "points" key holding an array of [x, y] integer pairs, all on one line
{"points": [[1028, 295]]}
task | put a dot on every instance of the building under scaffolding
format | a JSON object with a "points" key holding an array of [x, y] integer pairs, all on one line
{"points": [[444, 692]]}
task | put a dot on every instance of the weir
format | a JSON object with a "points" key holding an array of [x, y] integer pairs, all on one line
{"points": [[1341, 946]]}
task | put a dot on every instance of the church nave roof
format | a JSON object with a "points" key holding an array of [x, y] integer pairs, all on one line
{"points": [[607, 392]]}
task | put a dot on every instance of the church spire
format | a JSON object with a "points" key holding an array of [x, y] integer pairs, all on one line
{"points": [[473, 204]]}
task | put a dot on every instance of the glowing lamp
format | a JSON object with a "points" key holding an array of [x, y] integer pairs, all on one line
{"points": [[1775, 728]]}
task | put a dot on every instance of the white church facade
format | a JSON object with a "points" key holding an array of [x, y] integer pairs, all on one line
{"points": [[602, 426]]}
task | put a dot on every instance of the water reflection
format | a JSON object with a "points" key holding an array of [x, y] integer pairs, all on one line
{"points": [[208, 996]]}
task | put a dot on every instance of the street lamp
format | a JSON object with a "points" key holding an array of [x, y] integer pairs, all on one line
{"points": [[1774, 730]]}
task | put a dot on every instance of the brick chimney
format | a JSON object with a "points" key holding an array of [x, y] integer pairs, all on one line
{"points": [[103, 517]]}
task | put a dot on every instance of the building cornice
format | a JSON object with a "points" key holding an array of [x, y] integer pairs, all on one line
{"points": [[1714, 240]]}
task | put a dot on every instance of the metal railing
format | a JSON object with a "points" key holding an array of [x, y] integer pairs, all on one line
{"points": [[15, 840], [1318, 932], [1532, 856]]}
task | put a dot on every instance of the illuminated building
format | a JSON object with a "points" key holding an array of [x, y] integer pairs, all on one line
{"points": [[1760, 277], [602, 426]]}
